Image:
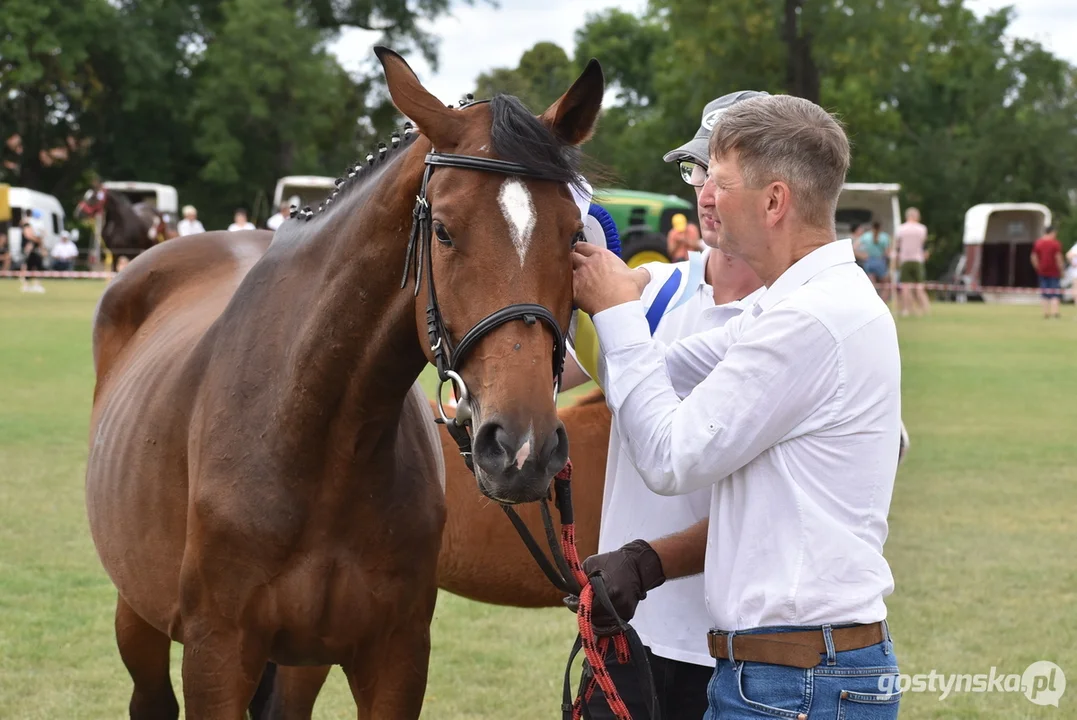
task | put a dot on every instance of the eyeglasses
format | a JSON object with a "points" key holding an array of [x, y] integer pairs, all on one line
{"points": [[693, 173]]}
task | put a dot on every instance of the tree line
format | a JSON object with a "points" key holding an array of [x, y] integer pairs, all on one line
{"points": [[222, 97], [216, 97], [932, 96]]}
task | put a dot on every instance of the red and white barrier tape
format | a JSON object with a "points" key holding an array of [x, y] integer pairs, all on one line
{"points": [[971, 290], [58, 274], [105, 275]]}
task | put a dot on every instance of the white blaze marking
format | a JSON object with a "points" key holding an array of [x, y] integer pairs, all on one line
{"points": [[523, 453], [519, 213], [525, 450]]}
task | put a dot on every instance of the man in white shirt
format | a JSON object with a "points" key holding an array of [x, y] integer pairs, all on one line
{"points": [[190, 224], [282, 214], [240, 222], [64, 253], [704, 292], [789, 413]]}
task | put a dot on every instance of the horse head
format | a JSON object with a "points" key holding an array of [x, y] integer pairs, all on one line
{"points": [[495, 224], [91, 204]]}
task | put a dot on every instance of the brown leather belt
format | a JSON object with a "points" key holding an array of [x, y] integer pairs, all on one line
{"points": [[802, 649]]}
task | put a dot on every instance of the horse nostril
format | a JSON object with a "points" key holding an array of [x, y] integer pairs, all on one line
{"points": [[493, 448], [554, 453], [505, 445]]}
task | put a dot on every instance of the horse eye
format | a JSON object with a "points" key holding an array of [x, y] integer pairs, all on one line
{"points": [[442, 234], [577, 238]]}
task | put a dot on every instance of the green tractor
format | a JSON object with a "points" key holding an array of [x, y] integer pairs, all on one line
{"points": [[643, 219]]}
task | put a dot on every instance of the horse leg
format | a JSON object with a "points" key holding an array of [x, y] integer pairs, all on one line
{"points": [[391, 683], [145, 652], [222, 668], [295, 692]]}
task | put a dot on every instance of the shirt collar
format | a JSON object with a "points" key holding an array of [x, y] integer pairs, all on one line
{"points": [[751, 298], [837, 252]]}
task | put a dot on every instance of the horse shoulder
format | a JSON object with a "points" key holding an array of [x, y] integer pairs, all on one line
{"points": [[167, 274]]}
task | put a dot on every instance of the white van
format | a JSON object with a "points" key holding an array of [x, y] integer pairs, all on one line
{"points": [[865, 203], [45, 213], [308, 189]]}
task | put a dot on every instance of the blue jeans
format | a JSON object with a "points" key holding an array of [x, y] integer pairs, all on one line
{"points": [[875, 266], [1051, 287], [849, 685]]}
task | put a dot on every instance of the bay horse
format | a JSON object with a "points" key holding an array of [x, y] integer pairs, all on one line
{"points": [[264, 485], [129, 228]]}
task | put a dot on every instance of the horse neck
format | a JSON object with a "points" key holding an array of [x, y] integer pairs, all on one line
{"points": [[360, 327]]}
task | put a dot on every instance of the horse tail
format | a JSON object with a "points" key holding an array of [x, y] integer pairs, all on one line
{"points": [[262, 705]]}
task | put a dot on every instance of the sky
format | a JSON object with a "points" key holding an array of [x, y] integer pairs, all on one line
{"points": [[480, 37], [1052, 22]]}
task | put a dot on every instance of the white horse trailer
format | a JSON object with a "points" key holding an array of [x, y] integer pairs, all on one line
{"points": [[998, 241], [302, 190]]}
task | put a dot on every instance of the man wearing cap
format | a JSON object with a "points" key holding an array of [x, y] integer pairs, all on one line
{"points": [[789, 413], [704, 292]]}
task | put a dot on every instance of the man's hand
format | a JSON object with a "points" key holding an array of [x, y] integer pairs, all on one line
{"points": [[601, 280], [628, 572]]}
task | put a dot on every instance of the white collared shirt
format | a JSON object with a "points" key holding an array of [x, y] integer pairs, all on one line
{"points": [[189, 227], [791, 413], [673, 619]]}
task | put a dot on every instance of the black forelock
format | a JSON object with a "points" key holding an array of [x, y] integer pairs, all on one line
{"points": [[518, 136]]}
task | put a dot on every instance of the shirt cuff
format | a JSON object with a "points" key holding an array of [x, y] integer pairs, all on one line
{"points": [[620, 326]]}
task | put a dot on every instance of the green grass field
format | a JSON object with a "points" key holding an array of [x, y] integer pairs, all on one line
{"points": [[982, 537]]}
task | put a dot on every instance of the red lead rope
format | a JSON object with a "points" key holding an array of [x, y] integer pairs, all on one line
{"points": [[594, 648]]}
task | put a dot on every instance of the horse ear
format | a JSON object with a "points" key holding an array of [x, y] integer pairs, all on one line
{"points": [[572, 117], [433, 119]]}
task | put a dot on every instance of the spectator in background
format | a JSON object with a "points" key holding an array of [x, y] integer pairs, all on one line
{"points": [[682, 237], [240, 221], [276, 220], [190, 224], [32, 260], [876, 246], [5, 250], [909, 240], [64, 254], [1047, 261]]}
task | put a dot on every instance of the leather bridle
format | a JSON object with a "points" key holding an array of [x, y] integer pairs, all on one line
{"points": [[448, 359]]}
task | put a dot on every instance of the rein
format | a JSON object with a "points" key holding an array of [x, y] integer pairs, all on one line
{"points": [[570, 578]]}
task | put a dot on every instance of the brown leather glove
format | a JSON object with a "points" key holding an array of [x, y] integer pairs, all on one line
{"points": [[628, 573]]}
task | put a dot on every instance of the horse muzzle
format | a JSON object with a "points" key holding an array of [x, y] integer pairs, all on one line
{"points": [[513, 466]]}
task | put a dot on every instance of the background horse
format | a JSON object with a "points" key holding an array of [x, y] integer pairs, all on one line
{"points": [[264, 484], [482, 557], [129, 229]]}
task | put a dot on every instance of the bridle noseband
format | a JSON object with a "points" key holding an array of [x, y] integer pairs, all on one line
{"points": [[447, 359]]}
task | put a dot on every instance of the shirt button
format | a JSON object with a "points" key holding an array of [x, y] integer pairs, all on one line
{"points": [[802, 716], [712, 427]]}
